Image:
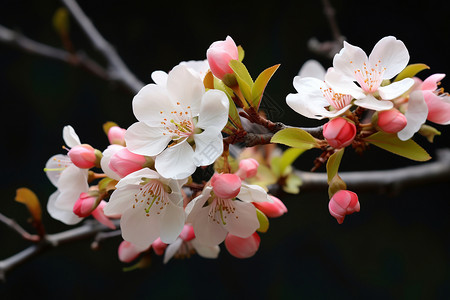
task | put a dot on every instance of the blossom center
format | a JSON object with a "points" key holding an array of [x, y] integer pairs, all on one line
{"points": [[179, 124], [337, 100], [220, 209], [370, 77], [152, 195], [59, 165]]}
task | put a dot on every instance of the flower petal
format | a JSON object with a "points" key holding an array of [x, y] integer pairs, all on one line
{"points": [[213, 110], [159, 77], [349, 59], [70, 137], [55, 166], [253, 193], [370, 102], [208, 232], [145, 140], [150, 103], [172, 222], [438, 108], [430, 83], [120, 200], [208, 147], [342, 84], [243, 222], [391, 54], [312, 68], [71, 184], [65, 216], [176, 162], [172, 249], [139, 227], [395, 89], [416, 115], [106, 157], [204, 250]]}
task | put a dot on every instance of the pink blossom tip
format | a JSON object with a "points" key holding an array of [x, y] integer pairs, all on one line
{"points": [[272, 210], [247, 168], [219, 55], [83, 156], [343, 203], [159, 246], [391, 121], [85, 205], [124, 162], [116, 135], [128, 252], [339, 132], [242, 247], [187, 233], [226, 186]]}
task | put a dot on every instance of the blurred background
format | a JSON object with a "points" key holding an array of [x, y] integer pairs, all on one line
{"points": [[396, 247]]}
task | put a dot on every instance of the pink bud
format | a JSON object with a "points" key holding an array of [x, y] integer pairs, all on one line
{"points": [[100, 216], [391, 121], [247, 168], [83, 156], [272, 210], [242, 247], [343, 203], [187, 233], [339, 132], [219, 55], [159, 247], [116, 135], [124, 162], [128, 252], [85, 205], [226, 186]]}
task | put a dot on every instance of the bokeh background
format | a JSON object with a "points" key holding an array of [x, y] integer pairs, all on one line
{"points": [[397, 247]]}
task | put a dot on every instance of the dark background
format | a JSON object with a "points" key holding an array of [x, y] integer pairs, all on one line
{"points": [[396, 247]]}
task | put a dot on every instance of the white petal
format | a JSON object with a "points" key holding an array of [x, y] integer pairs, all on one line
{"points": [[151, 104], [395, 89], [173, 221], [186, 88], [172, 249], [205, 251], [342, 84], [145, 140], [197, 67], [176, 162], [194, 207], [370, 102], [208, 147], [135, 178], [208, 232], [65, 216], [213, 110], [312, 68], [106, 157], [253, 193], [55, 166], [392, 54], [349, 59], [120, 201], [71, 184], [138, 228], [244, 221], [70, 137], [416, 115], [159, 77]]}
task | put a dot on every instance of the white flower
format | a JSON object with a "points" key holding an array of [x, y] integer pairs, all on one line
{"points": [[416, 115], [312, 68], [198, 68], [213, 217], [150, 207], [69, 180], [173, 118], [387, 59]]}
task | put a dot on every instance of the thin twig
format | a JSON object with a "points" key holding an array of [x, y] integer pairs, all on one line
{"points": [[16, 227]]}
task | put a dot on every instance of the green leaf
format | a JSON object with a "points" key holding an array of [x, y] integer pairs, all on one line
{"points": [[234, 121], [243, 78], [295, 137], [292, 185], [263, 221], [333, 164], [410, 71], [260, 84], [390, 142], [288, 157], [31, 201], [241, 53]]}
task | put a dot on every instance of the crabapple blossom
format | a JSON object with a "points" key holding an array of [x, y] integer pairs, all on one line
{"points": [[242, 247], [150, 207], [124, 162], [247, 168], [343, 203], [272, 209], [388, 58], [85, 204], [173, 119], [339, 132], [438, 103], [391, 121], [219, 55], [83, 156], [116, 135]]}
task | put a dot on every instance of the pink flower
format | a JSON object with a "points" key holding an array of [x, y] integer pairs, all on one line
{"points": [[226, 186], [219, 55], [438, 104], [124, 162], [116, 135], [339, 132], [247, 168], [272, 210], [343, 203], [83, 156], [391, 121], [242, 247]]}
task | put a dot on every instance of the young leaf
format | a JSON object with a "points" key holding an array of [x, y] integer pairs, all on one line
{"points": [[288, 157], [410, 71], [241, 53], [243, 78], [263, 221], [333, 164], [295, 137], [260, 84], [29, 198], [390, 142]]}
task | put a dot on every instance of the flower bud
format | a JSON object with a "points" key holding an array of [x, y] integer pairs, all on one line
{"points": [[339, 132], [242, 247], [124, 162], [343, 203], [83, 156], [226, 186], [128, 252], [85, 204], [116, 135], [187, 233], [219, 55], [271, 210], [247, 168], [159, 247], [391, 121]]}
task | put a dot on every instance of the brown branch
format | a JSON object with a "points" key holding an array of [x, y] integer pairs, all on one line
{"points": [[17, 228]]}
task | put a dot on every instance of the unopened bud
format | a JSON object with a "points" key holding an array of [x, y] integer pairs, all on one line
{"points": [[86, 204], [159, 246], [242, 247], [339, 132], [226, 186], [343, 203], [128, 252], [219, 55], [124, 162], [247, 168], [391, 121], [272, 210], [83, 156], [116, 135], [187, 233]]}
